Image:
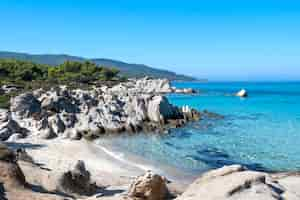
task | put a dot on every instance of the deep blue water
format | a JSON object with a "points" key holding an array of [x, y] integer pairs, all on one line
{"points": [[261, 132]]}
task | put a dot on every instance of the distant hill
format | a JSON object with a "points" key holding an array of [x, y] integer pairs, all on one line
{"points": [[127, 69]]}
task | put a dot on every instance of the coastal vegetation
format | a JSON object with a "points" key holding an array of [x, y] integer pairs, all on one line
{"points": [[85, 72], [22, 76], [126, 69]]}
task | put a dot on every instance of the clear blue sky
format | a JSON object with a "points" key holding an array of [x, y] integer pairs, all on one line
{"points": [[219, 40]]}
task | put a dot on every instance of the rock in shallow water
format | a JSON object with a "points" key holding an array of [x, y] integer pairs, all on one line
{"points": [[159, 109], [242, 93]]}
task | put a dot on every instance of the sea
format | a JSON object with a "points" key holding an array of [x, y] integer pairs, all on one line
{"points": [[261, 132]]}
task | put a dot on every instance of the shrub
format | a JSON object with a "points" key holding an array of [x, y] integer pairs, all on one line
{"points": [[4, 101], [69, 71]]}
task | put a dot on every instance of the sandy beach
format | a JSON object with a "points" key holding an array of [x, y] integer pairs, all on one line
{"points": [[56, 156]]}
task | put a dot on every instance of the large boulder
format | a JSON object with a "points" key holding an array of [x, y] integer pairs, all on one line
{"points": [[25, 106], [150, 186], [56, 124], [13, 185], [6, 154], [52, 101], [160, 110], [136, 110], [10, 173], [233, 183], [8, 126], [77, 181]]}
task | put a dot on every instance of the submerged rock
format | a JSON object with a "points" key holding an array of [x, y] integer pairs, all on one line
{"points": [[150, 186]]}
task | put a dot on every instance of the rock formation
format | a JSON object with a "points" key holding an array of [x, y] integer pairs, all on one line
{"points": [[127, 107], [151, 86], [236, 182], [149, 187], [13, 183], [8, 126], [77, 181]]}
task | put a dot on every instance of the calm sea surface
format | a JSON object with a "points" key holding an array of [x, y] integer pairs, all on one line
{"points": [[261, 132]]}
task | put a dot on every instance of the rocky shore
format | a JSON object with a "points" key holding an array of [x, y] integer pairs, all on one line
{"points": [[44, 154], [43, 175], [134, 106]]}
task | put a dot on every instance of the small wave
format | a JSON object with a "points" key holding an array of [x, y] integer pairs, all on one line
{"points": [[121, 158]]}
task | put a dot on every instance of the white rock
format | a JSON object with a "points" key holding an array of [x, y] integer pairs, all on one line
{"points": [[67, 113], [150, 186], [242, 93], [8, 126], [160, 109], [14, 137], [237, 183]]}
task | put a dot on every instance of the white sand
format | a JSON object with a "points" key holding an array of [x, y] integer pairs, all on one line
{"points": [[56, 156]]}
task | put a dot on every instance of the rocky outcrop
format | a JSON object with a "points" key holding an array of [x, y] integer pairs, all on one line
{"points": [[159, 109], [77, 181], [9, 127], [11, 175], [236, 182], [6, 154], [6, 89], [13, 185], [150, 186], [128, 107], [25, 106], [150, 86]]}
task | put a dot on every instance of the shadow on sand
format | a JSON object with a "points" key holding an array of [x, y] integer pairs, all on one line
{"points": [[14, 145]]}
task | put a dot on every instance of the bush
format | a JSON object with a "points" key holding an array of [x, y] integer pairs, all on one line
{"points": [[21, 70], [69, 71], [4, 101]]}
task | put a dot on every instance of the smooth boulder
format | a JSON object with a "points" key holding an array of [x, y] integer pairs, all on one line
{"points": [[10, 173], [234, 183], [160, 110], [150, 186]]}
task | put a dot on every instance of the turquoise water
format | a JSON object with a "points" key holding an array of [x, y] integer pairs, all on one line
{"points": [[261, 132]]}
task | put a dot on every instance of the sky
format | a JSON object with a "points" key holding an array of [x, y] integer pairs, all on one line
{"points": [[217, 40]]}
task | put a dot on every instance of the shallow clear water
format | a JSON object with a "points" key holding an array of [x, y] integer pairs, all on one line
{"points": [[262, 131]]}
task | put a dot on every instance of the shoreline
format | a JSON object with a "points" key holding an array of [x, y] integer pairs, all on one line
{"points": [[54, 157], [60, 155], [170, 172]]}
